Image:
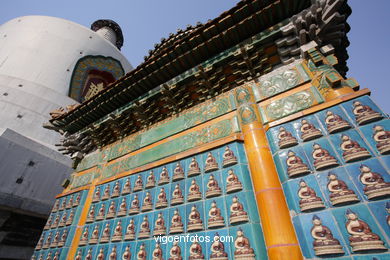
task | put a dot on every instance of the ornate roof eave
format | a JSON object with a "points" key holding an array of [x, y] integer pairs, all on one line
{"points": [[239, 23]]}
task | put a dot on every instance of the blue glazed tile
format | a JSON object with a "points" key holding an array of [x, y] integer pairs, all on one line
{"points": [[386, 160], [274, 132], [113, 250], [148, 195], [186, 163], [290, 198], [365, 101], [355, 170], [363, 214], [136, 220], [217, 157], [182, 213], [279, 168], [131, 247], [122, 225], [313, 122], [311, 182], [248, 214], [305, 224], [116, 185], [220, 204], [182, 185], [102, 249], [241, 172], [104, 225], [63, 253], [158, 249], [351, 155], [283, 157], [194, 183], [200, 238], [381, 212], [161, 189], [198, 208], [272, 140], [214, 179], [219, 236], [165, 220], [384, 256], [337, 111], [368, 131], [241, 156], [253, 233], [344, 179], [157, 173], [150, 220], [324, 145], [70, 231], [146, 245], [234, 148]]}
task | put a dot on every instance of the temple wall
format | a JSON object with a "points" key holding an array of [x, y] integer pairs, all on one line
{"points": [[306, 90]]}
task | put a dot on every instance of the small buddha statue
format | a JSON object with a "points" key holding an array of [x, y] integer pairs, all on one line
{"points": [[286, 139], [178, 173], [126, 187], [101, 255], [159, 225], [84, 237], [157, 253], [141, 255], [177, 196], [164, 176], [228, 157], [79, 255], [70, 202], [193, 169], [144, 228], [56, 255], [196, 251], [47, 241], [150, 181], [63, 238], [106, 193], [69, 220], [175, 252], [218, 249], [63, 220], [102, 212], [233, 184], [55, 240], [122, 208], [148, 204], [382, 139], [375, 186], [89, 254], [322, 158], [242, 247], [117, 236], [94, 236], [116, 190], [213, 188], [215, 219], [96, 195], [40, 243], [194, 191], [113, 254], [34, 257], [162, 201], [56, 221], [127, 254], [295, 166], [48, 222], [237, 212], [48, 257], [134, 207], [77, 200], [176, 223], [308, 198], [361, 237], [105, 237], [335, 123], [352, 151], [139, 185], [91, 214], [56, 206], [388, 213], [111, 210], [63, 204], [130, 230], [339, 192], [195, 222], [41, 256], [365, 114], [324, 242], [309, 131], [211, 163]]}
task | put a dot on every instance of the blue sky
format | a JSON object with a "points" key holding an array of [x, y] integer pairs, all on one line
{"points": [[144, 22]]}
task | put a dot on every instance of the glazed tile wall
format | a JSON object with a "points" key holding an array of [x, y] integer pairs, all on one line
{"points": [[251, 227], [59, 230], [372, 209]]}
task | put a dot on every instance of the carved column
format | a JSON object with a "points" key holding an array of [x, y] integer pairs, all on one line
{"points": [[278, 230]]}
